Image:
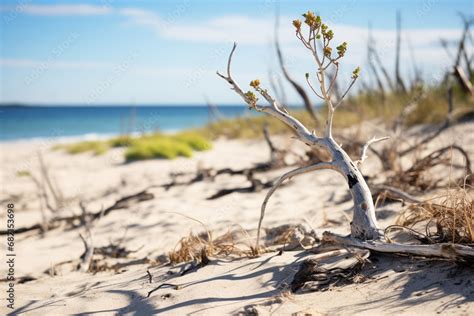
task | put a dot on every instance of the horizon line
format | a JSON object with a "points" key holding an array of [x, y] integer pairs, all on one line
{"points": [[20, 104]]}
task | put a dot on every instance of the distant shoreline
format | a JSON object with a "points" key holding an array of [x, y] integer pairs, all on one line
{"points": [[27, 105], [19, 123], [124, 105]]}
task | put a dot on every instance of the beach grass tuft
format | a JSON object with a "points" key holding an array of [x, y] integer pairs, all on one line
{"points": [[447, 218], [158, 147]]}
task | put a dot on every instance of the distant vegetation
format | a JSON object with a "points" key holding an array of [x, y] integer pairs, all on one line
{"points": [[151, 146], [430, 106], [97, 147]]}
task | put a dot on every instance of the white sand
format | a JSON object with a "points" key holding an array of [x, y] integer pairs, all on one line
{"points": [[224, 286]]}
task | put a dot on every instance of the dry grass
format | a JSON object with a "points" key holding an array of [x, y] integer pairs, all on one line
{"points": [[431, 104], [237, 242], [199, 247], [447, 218]]}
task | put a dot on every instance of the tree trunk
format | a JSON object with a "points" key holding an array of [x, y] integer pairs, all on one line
{"points": [[364, 223]]}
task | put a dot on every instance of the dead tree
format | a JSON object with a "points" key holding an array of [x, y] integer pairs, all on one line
{"points": [[384, 71], [371, 56], [375, 60], [458, 71], [375, 73], [365, 232], [398, 77]]}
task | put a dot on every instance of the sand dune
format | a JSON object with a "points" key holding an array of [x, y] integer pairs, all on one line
{"points": [[152, 228]]}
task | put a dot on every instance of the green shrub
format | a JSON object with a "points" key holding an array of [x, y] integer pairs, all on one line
{"points": [[194, 140], [164, 147], [151, 146], [23, 173], [121, 141]]}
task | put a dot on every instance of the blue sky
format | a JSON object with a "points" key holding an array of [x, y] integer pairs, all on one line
{"points": [[167, 52]]}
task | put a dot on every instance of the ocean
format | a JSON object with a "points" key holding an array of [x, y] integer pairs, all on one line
{"points": [[92, 122]]}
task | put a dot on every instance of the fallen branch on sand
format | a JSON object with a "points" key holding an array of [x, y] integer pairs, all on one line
{"points": [[256, 185], [449, 251], [121, 203], [316, 275]]}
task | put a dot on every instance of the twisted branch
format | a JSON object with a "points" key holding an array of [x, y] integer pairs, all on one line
{"points": [[363, 154], [289, 174], [304, 134]]}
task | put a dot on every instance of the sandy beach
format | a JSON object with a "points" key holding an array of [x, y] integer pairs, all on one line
{"points": [[237, 158], [46, 263]]}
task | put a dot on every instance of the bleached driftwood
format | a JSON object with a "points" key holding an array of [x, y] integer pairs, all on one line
{"points": [[365, 232], [442, 250]]}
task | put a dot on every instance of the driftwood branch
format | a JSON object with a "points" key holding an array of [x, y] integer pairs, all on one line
{"points": [[288, 175], [443, 250], [86, 257], [381, 192], [119, 204], [256, 185]]}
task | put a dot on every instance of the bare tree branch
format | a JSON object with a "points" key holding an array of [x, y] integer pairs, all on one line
{"points": [[292, 173], [363, 154], [305, 135]]}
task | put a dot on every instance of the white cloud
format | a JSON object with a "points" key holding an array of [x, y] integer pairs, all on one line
{"points": [[49, 63], [128, 63], [243, 29], [248, 30], [140, 16], [59, 9]]}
